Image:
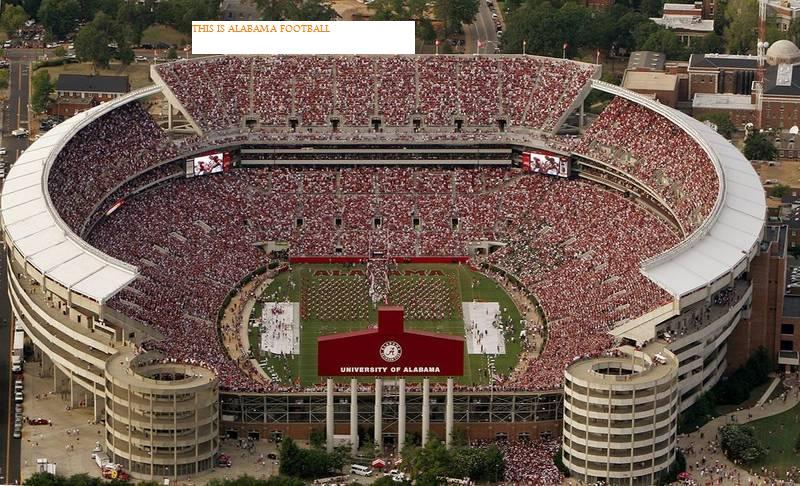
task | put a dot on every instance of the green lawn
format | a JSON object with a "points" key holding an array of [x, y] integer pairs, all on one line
{"points": [[319, 318], [162, 33], [779, 433]]}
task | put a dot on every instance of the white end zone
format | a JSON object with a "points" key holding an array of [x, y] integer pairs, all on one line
{"points": [[482, 330], [280, 328]]}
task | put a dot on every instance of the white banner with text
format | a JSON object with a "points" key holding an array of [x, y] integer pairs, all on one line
{"points": [[341, 37]]}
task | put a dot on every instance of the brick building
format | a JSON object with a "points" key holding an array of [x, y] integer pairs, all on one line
{"points": [[739, 107], [103, 88], [760, 324], [721, 74], [783, 12], [66, 107], [789, 336], [686, 20]]}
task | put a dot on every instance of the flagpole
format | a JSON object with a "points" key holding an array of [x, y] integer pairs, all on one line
{"points": [[524, 47]]}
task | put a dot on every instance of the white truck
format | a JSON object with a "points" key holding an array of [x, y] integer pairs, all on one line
{"points": [[20, 132], [16, 352]]}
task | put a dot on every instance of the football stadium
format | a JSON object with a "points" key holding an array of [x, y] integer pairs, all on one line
{"points": [[380, 247]]}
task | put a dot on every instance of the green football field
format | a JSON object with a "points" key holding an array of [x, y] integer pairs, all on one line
{"points": [[431, 297]]}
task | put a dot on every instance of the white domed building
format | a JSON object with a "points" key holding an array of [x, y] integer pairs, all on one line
{"points": [[783, 52]]}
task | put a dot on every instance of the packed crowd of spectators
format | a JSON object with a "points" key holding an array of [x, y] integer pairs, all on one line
{"points": [[526, 91], [657, 153], [111, 149], [219, 85], [582, 264], [572, 244], [531, 462]]}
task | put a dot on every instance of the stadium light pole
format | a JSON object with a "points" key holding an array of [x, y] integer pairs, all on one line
{"points": [[524, 47]]}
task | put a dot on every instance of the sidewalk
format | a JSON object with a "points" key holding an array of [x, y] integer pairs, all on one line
{"points": [[705, 460]]}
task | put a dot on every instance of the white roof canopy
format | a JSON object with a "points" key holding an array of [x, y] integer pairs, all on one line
{"points": [[733, 230], [37, 232]]}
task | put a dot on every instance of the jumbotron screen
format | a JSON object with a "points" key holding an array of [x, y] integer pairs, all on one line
{"points": [[546, 163], [210, 163]]}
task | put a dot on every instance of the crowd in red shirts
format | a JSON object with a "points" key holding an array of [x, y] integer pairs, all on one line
{"points": [[658, 153], [523, 90], [574, 245], [119, 145]]}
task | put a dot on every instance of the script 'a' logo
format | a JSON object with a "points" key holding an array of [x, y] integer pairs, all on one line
{"points": [[391, 351]]}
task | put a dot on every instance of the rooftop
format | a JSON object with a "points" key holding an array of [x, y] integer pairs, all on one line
{"points": [[723, 61], [649, 81], [684, 22], [647, 60], [782, 80], [92, 83], [723, 101]]}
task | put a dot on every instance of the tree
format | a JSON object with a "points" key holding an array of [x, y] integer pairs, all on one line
{"points": [[742, 18], [60, 52], [31, 7], [779, 191], [42, 88], [711, 43], [251, 481], [425, 31], [317, 439], [740, 444], [309, 463], [651, 8], [314, 10], [757, 146], [93, 40], [91, 44], [546, 29], [172, 53], [430, 462], [454, 13], [794, 31], [59, 17], [276, 9], [12, 18], [125, 54], [180, 13], [665, 40], [725, 126], [642, 32], [3, 78]]}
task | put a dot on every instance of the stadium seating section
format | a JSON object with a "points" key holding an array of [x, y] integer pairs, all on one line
{"points": [[575, 245], [525, 91]]}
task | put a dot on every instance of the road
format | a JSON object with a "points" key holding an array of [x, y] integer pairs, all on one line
{"points": [[481, 30], [15, 114]]}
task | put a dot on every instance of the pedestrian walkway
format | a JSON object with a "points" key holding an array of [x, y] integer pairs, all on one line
{"points": [[772, 386], [704, 457]]}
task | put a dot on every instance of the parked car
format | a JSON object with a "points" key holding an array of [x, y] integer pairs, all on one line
{"points": [[19, 397], [20, 132], [2, 150]]}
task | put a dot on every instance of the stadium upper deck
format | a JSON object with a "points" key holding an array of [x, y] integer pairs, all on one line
{"points": [[715, 196], [358, 91]]}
